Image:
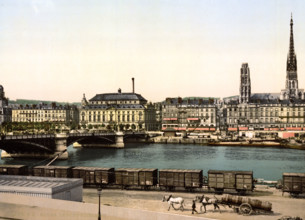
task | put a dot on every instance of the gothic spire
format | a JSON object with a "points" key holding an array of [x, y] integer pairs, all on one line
{"points": [[291, 59]]}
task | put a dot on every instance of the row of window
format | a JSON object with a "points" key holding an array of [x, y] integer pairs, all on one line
{"points": [[269, 120], [103, 118], [267, 109], [40, 111], [110, 112], [265, 114]]}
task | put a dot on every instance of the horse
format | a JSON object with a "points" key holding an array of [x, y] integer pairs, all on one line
{"points": [[207, 201], [171, 201]]}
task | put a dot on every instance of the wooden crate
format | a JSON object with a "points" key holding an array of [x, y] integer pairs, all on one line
{"points": [[13, 170]]}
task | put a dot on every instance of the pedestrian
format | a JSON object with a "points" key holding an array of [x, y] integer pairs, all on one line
{"points": [[194, 207]]}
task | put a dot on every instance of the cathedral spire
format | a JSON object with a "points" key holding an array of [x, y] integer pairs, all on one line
{"points": [[292, 90], [291, 59]]}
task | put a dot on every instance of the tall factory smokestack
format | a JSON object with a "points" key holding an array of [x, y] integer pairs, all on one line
{"points": [[132, 85]]}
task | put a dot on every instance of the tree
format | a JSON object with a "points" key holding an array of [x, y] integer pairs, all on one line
{"points": [[90, 126], [121, 126], [133, 127]]}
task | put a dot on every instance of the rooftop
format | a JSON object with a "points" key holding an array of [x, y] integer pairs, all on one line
{"points": [[117, 96]]}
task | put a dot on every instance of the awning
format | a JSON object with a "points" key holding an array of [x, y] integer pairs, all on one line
{"points": [[294, 128], [243, 128], [193, 119], [274, 129], [202, 129], [232, 129], [169, 119]]}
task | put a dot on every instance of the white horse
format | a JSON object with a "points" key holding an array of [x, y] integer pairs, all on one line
{"points": [[207, 201], [171, 201]]}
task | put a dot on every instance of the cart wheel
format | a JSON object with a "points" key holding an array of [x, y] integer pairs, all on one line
{"points": [[294, 195], [245, 209]]}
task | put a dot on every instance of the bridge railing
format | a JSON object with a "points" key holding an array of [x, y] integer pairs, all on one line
{"points": [[27, 136], [90, 134]]}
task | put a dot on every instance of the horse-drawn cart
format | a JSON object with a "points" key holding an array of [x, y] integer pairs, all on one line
{"points": [[247, 206]]}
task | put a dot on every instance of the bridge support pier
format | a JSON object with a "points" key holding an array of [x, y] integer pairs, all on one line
{"points": [[61, 146], [119, 139]]}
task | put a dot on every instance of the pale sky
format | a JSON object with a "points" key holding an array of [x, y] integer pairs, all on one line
{"points": [[60, 49]]}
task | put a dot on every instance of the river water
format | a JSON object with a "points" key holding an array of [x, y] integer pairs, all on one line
{"points": [[266, 162]]}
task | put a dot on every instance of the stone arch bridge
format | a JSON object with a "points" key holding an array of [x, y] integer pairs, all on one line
{"points": [[52, 145]]}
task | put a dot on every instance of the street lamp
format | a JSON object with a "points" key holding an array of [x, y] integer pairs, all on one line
{"points": [[99, 192]]}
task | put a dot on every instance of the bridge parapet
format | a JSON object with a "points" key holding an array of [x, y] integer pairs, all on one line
{"points": [[28, 136], [90, 134]]}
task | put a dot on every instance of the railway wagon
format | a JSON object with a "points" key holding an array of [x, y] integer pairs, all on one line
{"points": [[136, 177], [148, 177], [53, 171], [172, 178], [94, 175], [294, 183], [13, 170], [241, 181]]}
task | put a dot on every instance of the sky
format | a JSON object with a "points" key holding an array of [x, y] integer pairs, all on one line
{"points": [[61, 49]]}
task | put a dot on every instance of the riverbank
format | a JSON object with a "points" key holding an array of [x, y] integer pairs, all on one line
{"points": [[215, 142]]}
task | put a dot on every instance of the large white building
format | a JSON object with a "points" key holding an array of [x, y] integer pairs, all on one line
{"points": [[119, 110]]}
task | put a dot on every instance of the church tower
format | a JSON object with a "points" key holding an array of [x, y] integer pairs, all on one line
{"points": [[291, 90], [245, 84]]}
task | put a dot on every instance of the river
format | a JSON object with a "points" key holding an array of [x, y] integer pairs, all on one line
{"points": [[266, 162]]}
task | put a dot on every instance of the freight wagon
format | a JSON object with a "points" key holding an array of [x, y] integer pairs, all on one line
{"points": [[145, 178], [241, 181], [13, 170], [94, 176], [52, 171], [294, 183], [173, 178]]}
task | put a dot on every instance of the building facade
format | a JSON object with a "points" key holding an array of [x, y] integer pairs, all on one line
{"points": [[268, 111], [5, 110], [119, 110], [60, 114], [191, 114]]}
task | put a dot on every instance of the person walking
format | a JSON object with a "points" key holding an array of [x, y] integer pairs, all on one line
{"points": [[194, 207]]}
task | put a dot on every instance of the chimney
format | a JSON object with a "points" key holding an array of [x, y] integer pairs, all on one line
{"points": [[132, 84], [119, 90]]}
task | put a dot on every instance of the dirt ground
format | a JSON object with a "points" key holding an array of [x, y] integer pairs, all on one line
{"points": [[152, 200]]}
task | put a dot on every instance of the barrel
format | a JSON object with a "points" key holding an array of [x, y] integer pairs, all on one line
{"points": [[237, 200], [255, 203]]}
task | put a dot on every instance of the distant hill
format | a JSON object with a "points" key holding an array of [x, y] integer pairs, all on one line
{"points": [[36, 102]]}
